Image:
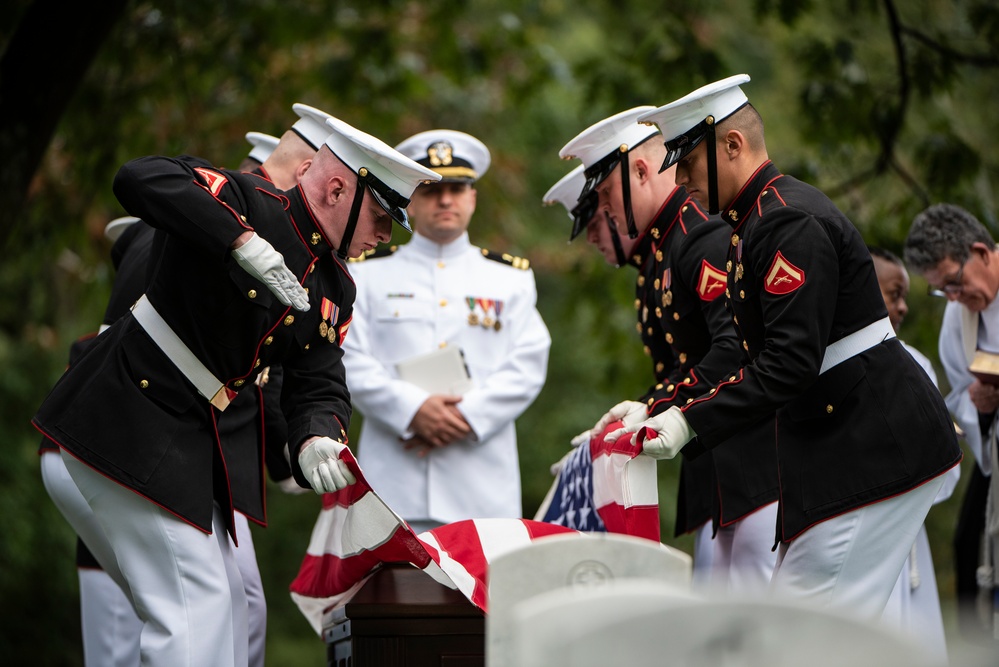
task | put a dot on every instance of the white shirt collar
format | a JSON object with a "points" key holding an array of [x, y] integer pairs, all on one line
{"points": [[424, 246]]}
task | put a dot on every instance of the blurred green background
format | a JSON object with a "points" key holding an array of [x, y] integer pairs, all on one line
{"points": [[887, 106]]}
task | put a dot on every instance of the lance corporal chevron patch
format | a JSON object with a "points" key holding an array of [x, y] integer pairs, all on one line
{"points": [[783, 277]]}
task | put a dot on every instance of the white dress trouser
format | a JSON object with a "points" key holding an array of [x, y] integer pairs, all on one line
{"points": [[852, 561], [703, 557], [109, 623], [71, 503], [253, 587], [744, 556], [111, 629], [914, 605], [184, 584]]}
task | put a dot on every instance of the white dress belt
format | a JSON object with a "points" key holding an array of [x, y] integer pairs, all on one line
{"points": [[177, 352], [857, 342]]}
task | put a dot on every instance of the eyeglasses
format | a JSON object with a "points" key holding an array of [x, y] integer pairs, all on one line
{"points": [[952, 287]]}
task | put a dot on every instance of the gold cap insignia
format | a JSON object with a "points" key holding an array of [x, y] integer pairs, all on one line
{"points": [[440, 153]]}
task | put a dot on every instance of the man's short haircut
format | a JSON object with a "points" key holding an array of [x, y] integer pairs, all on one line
{"points": [[652, 149], [748, 121], [943, 231]]}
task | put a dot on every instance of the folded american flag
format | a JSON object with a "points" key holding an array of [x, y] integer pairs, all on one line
{"points": [[356, 532], [606, 487]]}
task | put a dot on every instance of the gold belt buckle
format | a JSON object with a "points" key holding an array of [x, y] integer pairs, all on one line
{"points": [[221, 399]]}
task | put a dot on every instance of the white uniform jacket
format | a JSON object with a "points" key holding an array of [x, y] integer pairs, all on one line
{"points": [[420, 298]]}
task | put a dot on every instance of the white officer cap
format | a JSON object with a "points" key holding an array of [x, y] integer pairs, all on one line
{"points": [[456, 156], [390, 176], [116, 227], [684, 123], [311, 126], [566, 192], [601, 145], [263, 145]]}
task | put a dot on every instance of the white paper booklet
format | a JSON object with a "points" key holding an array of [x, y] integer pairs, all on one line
{"points": [[442, 371]]}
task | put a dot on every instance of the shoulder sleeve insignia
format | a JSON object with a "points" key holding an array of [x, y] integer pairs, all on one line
{"points": [[343, 331], [510, 260], [783, 277], [711, 283], [374, 253], [213, 180]]}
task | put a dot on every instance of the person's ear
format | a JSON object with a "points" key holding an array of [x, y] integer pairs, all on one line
{"points": [[302, 168], [983, 250], [735, 143], [335, 189], [642, 169]]}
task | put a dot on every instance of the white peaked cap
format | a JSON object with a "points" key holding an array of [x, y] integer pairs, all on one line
{"points": [[608, 136], [116, 227], [719, 100], [454, 155], [566, 191], [263, 145], [311, 125], [359, 151]]}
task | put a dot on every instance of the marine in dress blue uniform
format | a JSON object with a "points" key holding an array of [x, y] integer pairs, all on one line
{"points": [[680, 256], [863, 437], [252, 431], [246, 277]]}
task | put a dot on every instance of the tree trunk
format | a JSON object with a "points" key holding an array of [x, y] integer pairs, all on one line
{"points": [[40, 71]]}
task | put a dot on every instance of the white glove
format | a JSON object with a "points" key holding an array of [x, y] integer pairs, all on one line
{"points": [[259, 258], [322, 466], [290, 486], [673, 432], [581, 439], [630, 412]]}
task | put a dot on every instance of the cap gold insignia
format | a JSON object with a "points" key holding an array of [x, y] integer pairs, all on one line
{"points": [[441, 154]]}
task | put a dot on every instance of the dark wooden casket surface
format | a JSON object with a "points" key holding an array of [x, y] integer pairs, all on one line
{"points": [[403, 618]]}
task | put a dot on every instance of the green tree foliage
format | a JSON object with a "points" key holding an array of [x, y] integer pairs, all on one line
{"points": [[885, 105]]}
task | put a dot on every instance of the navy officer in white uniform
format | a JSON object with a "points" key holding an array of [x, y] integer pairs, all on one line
{"points": [[436, 458]]}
